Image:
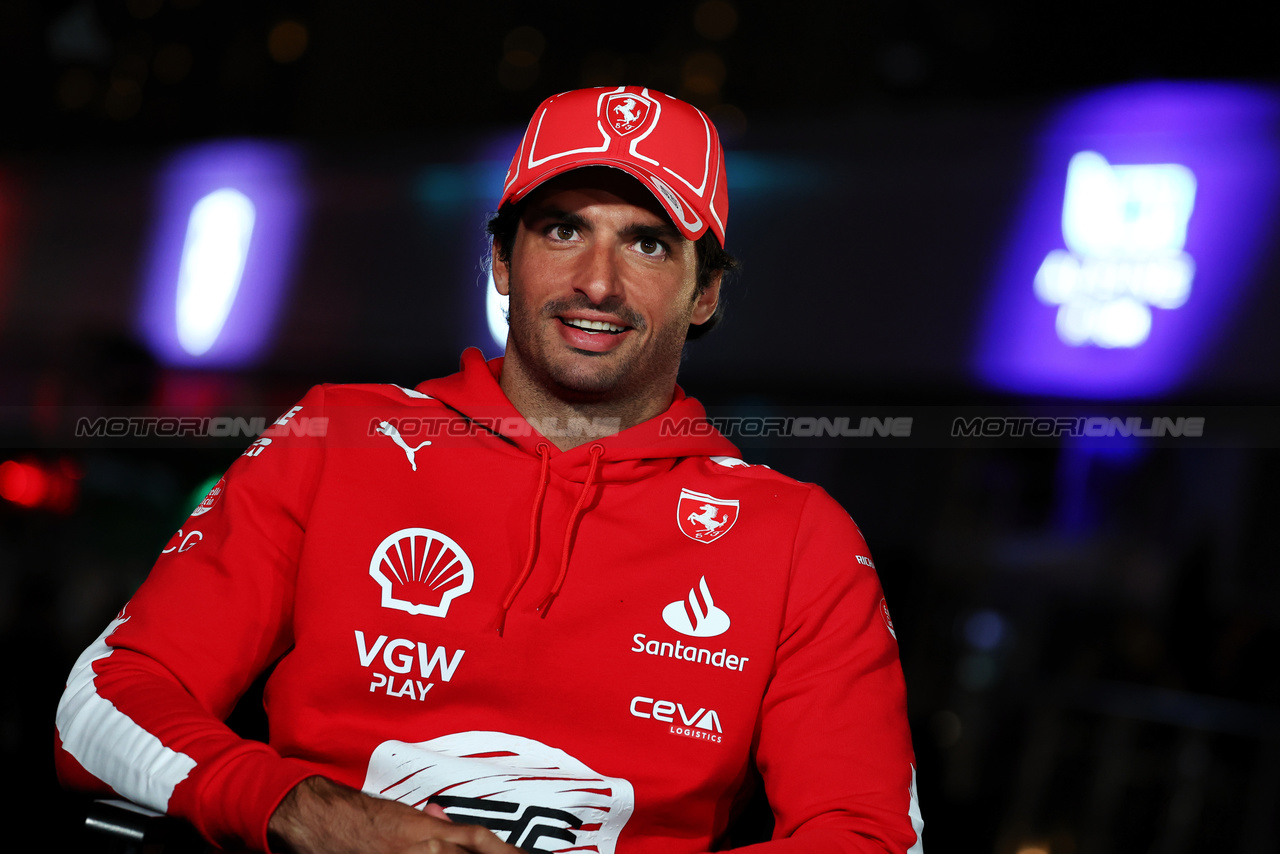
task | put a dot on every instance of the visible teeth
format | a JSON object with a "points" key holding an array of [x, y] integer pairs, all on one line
{"points": [[594, 325]]}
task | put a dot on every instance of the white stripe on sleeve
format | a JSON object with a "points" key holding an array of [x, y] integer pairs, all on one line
{"points": [[111, 745], [917, 820]]}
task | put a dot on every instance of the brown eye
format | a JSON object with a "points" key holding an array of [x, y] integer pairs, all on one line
{"points": [[564, 232], [649, 246]]}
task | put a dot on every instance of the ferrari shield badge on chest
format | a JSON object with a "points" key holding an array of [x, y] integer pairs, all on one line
{"points": [[627, 112], [705, 518]]}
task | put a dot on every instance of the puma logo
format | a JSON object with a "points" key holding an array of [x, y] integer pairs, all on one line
{"points": [[389, 430]]}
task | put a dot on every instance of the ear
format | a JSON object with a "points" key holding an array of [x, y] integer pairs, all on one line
{"points": [[705, 305], [501, 272]]}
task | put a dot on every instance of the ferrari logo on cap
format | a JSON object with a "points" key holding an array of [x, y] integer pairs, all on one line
{"points": [[627, 112], [705, 518]]}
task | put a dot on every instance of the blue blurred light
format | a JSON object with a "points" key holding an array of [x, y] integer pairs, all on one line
{"points": [[448, 186], [984, 630], [754, 172], [1140, 190], [228, 219]]}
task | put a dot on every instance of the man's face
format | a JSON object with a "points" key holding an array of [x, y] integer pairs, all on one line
{"points": [[602, 289]]}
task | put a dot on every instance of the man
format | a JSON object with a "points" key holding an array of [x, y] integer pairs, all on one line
{"points": [[474, 595]]}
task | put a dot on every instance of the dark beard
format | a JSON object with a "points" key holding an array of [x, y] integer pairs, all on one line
{"points": [[618, 379]]}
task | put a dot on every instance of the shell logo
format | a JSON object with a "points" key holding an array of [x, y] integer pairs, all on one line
{"points": [[421, 571]]}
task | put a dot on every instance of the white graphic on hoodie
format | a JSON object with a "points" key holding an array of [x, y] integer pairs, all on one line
{"points": [[389, 430], [533, 796]]}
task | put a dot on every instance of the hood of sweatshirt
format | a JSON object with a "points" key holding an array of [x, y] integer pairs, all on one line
{"points": [[648, 448], [645, 450]]}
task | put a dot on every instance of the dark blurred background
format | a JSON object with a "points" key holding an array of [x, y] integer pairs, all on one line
{"points": [[1086, 623]]}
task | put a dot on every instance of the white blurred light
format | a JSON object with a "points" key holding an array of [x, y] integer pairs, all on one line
{"points": [[1125, 227], [495, 310], [213, 256], [1075, 323], [1056, 279], [1122, 322], [1126, 211], [1167, 282]]}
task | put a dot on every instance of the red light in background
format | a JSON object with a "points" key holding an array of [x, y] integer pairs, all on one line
{"points": [[33, 485], [21, 483]]}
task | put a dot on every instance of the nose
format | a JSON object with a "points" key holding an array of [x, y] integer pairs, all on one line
{"points": [[599, 274]]}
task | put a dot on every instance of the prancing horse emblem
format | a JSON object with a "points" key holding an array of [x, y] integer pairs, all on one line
{"points": [[387, 429], [707, 518], [627, 112], [703, 517]]}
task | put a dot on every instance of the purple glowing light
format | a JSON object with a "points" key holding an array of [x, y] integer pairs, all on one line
{"points": [[1215, 141], [228, 219]]}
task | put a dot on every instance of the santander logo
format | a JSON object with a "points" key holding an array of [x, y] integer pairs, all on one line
{"points": [[698, 617]]}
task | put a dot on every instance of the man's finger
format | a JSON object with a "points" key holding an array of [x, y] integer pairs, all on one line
{"points": [[436, 846], [474, 840]]}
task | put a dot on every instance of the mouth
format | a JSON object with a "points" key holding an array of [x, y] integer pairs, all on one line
{"points": [[594, 327], [593, 336]]}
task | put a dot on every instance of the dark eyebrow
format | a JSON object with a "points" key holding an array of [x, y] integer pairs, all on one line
{"points": [[566, 217], [665, 231], [656, 232]]}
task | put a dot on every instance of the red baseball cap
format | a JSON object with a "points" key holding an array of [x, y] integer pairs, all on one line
{"points": [[669, 146]]}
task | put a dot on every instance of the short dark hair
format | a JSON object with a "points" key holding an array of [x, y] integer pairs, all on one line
{"points": [[712, 258]]}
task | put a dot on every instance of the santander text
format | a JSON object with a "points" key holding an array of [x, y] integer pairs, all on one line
{"points": [[667, 649]]}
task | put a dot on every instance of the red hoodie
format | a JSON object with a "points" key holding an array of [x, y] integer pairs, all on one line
{"points": [[581, 650]]}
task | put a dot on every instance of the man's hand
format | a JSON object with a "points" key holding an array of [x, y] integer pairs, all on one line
{"points": [[319, 816]]}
